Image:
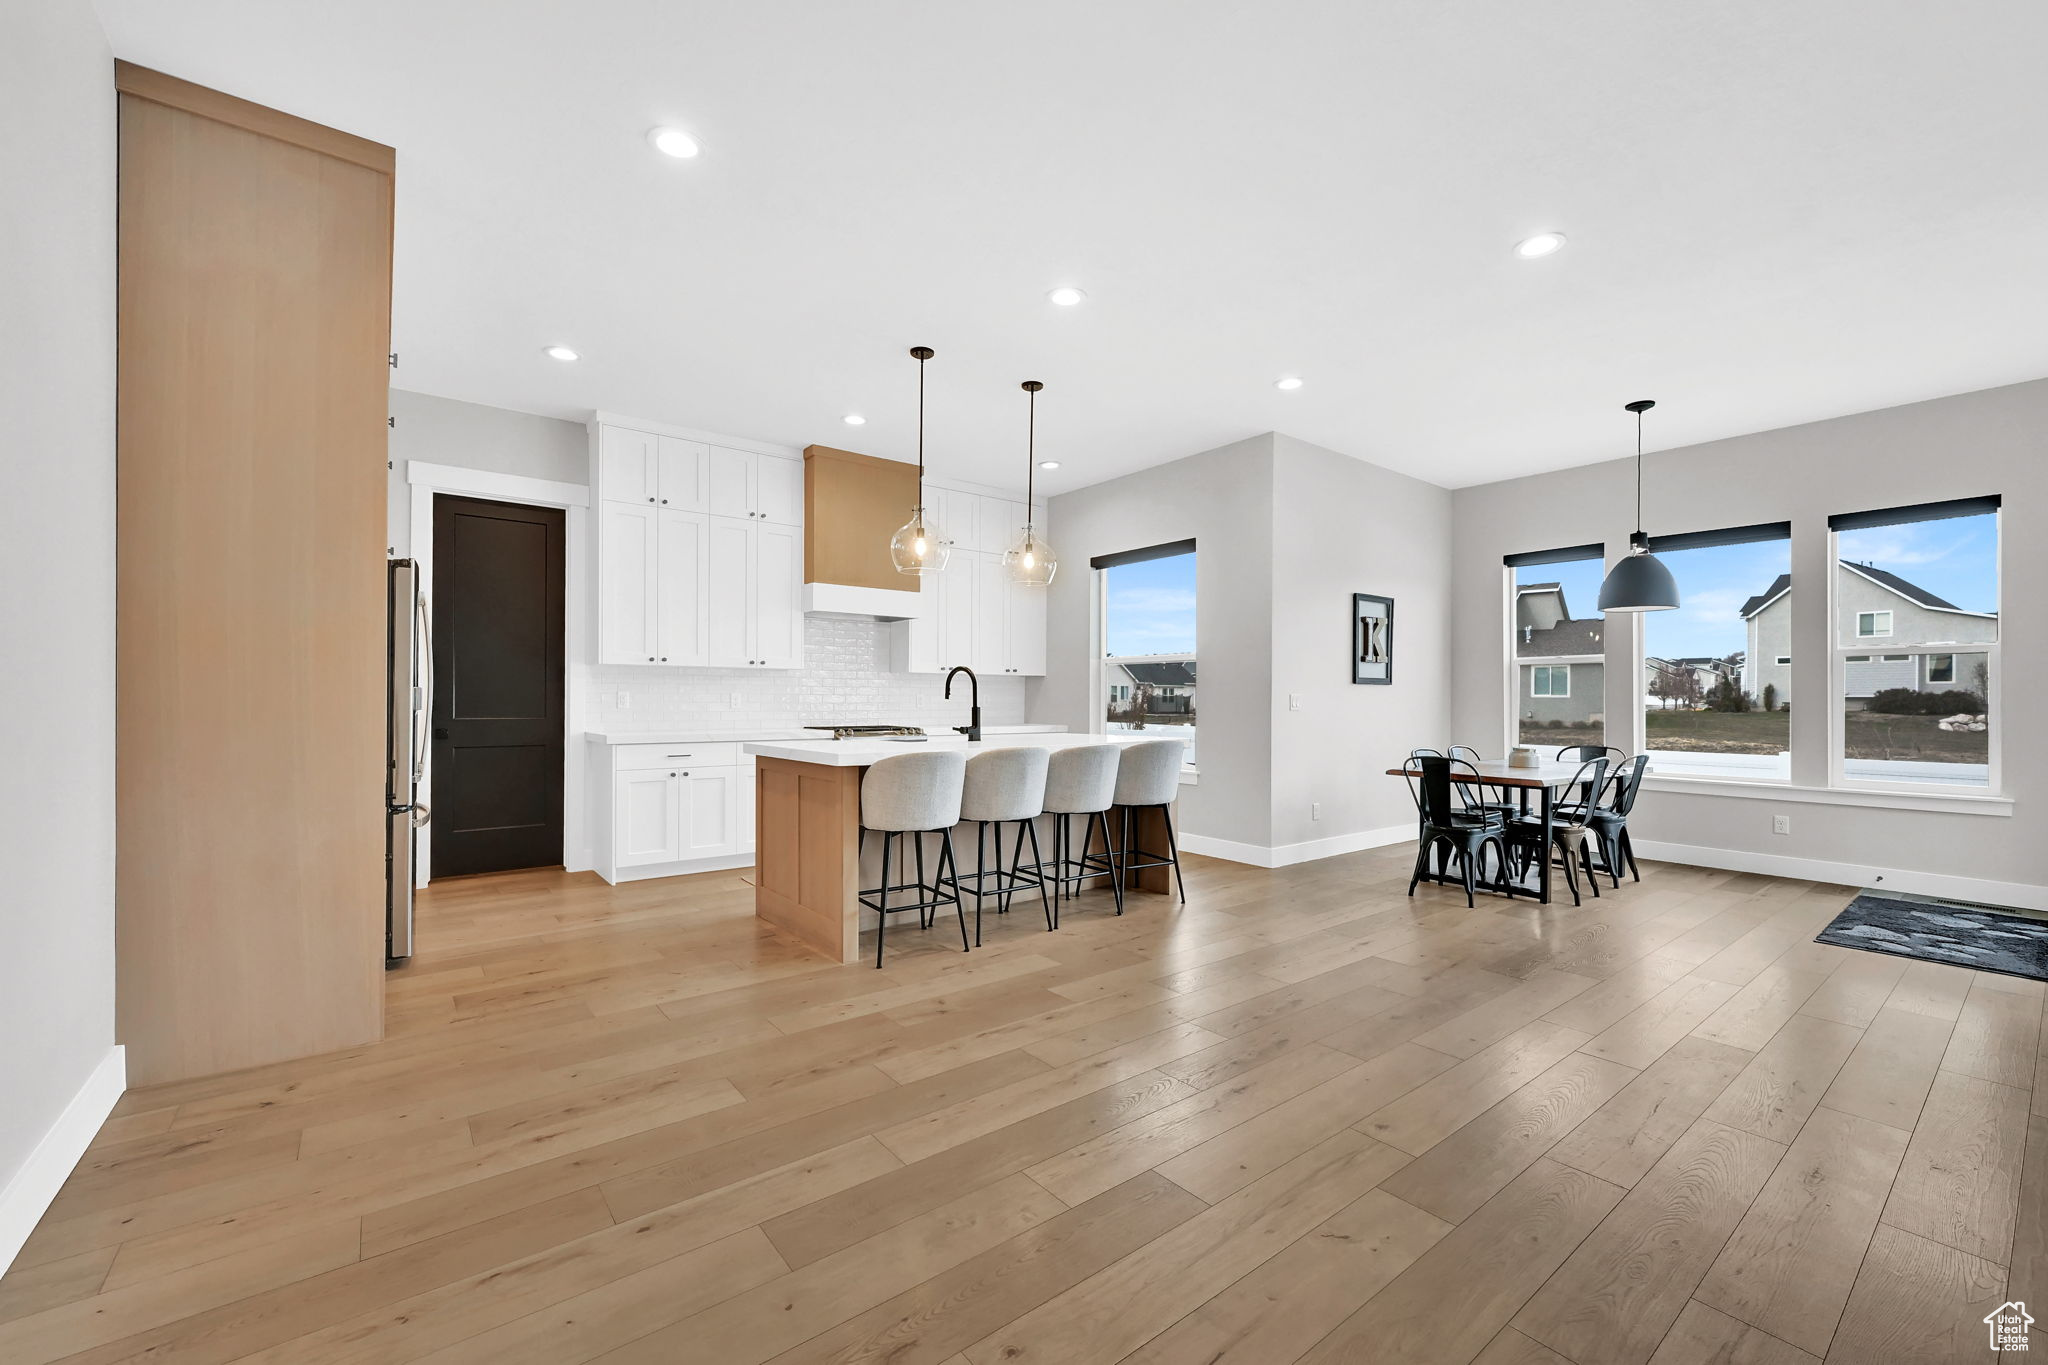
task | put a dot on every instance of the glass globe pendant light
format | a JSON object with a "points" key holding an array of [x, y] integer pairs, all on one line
{"points": [[1031, 561], [918, 547], [1639, 581]]}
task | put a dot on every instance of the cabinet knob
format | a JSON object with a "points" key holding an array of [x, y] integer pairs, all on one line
{"points": [[664, 502], [650, 499], [650, 658], [664, 658], [675, 774]]}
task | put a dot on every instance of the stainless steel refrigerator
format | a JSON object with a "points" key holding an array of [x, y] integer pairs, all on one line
{"points": [[409, 659]]}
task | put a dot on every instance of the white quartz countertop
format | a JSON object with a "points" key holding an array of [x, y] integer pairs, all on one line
{"points": [[745, 736], [859, 753]]}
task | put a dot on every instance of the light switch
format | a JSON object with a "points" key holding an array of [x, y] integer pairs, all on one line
{"points": [[1294, 701], [734, 704]]}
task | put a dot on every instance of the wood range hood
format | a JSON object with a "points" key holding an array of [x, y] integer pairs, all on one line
{"points": [[852, 506]]}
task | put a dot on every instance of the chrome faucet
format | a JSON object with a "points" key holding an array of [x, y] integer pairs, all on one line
{"points": [[972, 729]]}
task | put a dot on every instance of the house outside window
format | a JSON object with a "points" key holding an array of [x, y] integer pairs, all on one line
{"points": [[1717, 678], [1147, 649], [1549, 644], [1925, 579]]}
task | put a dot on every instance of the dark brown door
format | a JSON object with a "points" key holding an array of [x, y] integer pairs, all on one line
{"points": [[497, 752]]}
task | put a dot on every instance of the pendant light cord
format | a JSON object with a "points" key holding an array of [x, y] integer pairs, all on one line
{"points": [[920, 433], [1031, 457], [1639, 466]]}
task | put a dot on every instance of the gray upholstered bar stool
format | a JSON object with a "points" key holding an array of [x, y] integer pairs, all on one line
{"points": [[1148, 778], [914, 794], [1005, 786], [1081, 781]]}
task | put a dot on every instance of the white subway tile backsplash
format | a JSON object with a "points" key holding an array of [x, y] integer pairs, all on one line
{"points": [[845, 678]]}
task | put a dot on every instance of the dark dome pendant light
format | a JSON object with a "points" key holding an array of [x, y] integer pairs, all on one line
{"points": [[1639, 581]]}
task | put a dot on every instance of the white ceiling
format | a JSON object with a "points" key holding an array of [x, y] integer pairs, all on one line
{"points": [[1777, 211]]}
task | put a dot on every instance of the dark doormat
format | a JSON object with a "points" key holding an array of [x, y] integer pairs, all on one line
{"points": [[1954, 932]]}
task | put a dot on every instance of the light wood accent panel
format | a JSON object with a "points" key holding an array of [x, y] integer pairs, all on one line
{"points": [[255, 265], [853, 504], [807, 819]]}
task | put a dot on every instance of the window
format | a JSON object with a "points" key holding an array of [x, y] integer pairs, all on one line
{"points": [[1925, 579], [1556, 630], [1148, 641], [1717, 676]]}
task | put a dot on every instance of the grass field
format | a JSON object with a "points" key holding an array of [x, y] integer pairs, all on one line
{"points": [[1867, 735]]}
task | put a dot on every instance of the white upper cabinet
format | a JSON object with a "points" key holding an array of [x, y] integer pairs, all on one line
{"points": [[684, 474], [973, 613], [682, 563], [626, 572], [755, 487], [628, 464], [700, 552]]}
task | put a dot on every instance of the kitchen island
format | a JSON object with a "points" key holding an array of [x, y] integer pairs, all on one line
{"points": [[808, 865]]}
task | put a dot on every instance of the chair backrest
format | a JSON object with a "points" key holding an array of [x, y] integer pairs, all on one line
{"points": [[1425, 753], [1591, 777], [913, 791], [1005, 784], [1466, 752], [1148, 773], [1627, 778], [1582, 752], [1429, 782], [1081, 780]]}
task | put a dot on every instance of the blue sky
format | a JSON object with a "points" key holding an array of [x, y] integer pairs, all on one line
{"points": [[1956, 559], [1152, 607]]}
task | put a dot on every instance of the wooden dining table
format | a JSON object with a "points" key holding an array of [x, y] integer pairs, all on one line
{"points": [[1543, 782]]}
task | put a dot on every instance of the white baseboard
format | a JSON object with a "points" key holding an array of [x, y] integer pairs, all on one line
{"points": [[29, 1193], [2016, 894], [1286, 855]]}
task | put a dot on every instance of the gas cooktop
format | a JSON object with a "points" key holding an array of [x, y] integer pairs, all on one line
{"points": [[871, 731]]}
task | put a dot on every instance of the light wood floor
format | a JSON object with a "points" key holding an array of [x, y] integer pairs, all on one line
{"points": [[1302, 1118]]}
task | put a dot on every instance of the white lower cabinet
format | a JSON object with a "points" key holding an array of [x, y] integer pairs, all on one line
{"points": [[668, 809]]}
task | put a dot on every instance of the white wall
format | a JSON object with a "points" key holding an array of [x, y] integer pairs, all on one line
{"points": [[1222, 500], [1341, 526], [1995, 441], [472, 436], [57, 162]]}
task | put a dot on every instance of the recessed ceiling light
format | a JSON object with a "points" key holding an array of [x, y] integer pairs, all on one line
{"points": [[1048, 464], [1066, 296], [1541, 245], [854, 419], [1289, 382], [561, 353], [673, 142]]}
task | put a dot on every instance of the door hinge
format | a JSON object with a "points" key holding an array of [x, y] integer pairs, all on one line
{"points": [[394, 360], [391, 422]]}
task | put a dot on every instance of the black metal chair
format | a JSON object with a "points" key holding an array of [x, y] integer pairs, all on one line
{"points": [[1581, 753], [1446, 824], [1570, 836], [1610, 820], [1490, 798]]}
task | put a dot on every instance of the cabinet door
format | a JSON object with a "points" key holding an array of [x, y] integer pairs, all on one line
{"points": [[710, 812], [626, 588], [953, 608], [778, 615], [627, 465], [731, 483], [682, 550], [957, 516], [647, 817], [684, 474], [1027, 629], [1002, 521], [990, 652], [779, 490], [728, 579]]}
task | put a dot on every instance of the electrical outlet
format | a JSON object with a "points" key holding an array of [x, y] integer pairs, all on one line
{"points": [[1781, 824], [1294, 701], [625, 700], [734, 703], [1315, 810]]}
